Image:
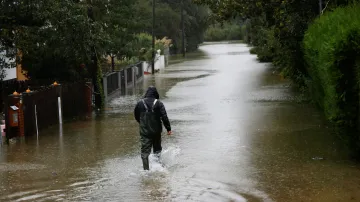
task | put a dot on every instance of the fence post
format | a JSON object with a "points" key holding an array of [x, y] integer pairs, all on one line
{"points": [[36, 122], [28, 105], [30, 116], [58, 88], [105, 87], [12, 117], [21, 118], [134, 75], [126, 79], [1, 135], [166, 54], [141, 69], [7, 117], [88, 97], [119, 79]]}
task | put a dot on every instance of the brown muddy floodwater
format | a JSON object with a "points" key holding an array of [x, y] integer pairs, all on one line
{"points": [[240, 134]]}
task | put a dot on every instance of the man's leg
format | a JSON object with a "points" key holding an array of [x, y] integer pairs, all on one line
{"points": [[157, 145], [146, 144]]}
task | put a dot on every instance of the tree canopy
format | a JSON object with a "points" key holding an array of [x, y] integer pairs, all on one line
{"points": [[56, 37], [68, 40]]}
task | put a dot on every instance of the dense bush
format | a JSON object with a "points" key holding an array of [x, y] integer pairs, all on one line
{"points": [[227, 31], [269, 45], [141, 46], [332, 53]]}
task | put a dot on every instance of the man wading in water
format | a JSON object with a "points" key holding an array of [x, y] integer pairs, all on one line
{"points": [[149, 113]]}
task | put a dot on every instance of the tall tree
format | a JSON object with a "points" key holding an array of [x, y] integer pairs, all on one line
{"points": [[15, 15], [56, 38], [120, 24]]}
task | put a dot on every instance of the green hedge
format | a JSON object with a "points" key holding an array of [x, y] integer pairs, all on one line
{"points": [[332, 53]]}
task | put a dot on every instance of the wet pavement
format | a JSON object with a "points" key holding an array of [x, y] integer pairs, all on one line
{"points": [[240, 134]]}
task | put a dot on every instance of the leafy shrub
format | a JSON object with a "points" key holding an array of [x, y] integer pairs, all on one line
{"points": [[254, 50], [332, 53], [125, 61], [269, 45], [142, 46], [214, 33], [161, 44]]}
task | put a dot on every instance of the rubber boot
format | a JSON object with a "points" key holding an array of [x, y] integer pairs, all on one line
{"points": [[157, 156], [145, 163]]}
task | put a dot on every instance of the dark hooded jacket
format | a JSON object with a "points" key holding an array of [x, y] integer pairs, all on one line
{"points": [[160, 115]]}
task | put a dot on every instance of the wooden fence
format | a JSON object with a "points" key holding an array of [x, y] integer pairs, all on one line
{"points": [[9, 86], [40, 109], [122, 79], [29, 112]]}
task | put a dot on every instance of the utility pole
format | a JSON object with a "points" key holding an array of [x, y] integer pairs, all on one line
{"points": [[95, 70], [153, 40], [112, 63], [183, 28]]}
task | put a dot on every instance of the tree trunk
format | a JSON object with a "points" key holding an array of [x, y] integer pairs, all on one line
{"points": [[112, 63], [96, 73]]}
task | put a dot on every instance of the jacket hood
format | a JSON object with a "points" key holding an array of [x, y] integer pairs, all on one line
{"points": [[152, 93]]}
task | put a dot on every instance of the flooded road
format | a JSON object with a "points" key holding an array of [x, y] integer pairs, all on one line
{"points": [[240, 134]]}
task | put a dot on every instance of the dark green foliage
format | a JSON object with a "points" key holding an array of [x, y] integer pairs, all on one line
{"points": [[332, 49], [225, 31], [58, 47], [168, 21], [56, 39], [120, 24], [267, 51], [14, 15]]}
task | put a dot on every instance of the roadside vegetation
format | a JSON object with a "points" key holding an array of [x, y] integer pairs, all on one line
{"points": [[315, 45], [70, 40]]}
